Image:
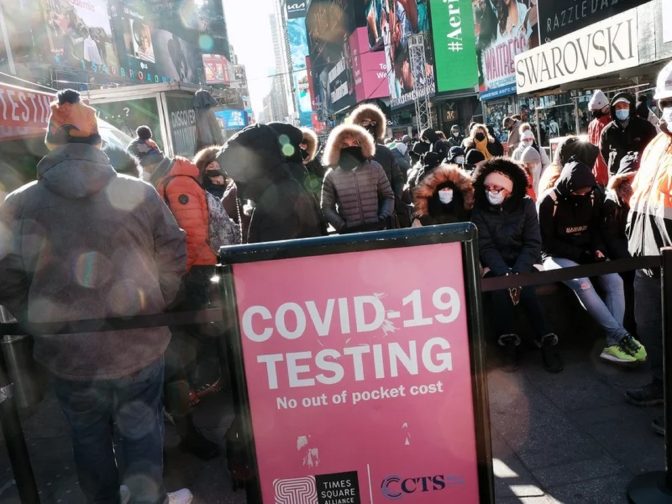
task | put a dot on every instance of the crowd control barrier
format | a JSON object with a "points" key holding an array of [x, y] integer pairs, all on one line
{"points": [[645, 489]]}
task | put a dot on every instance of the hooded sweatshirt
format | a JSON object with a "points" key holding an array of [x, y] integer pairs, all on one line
{"points": [[86, 243], [570, 225], [615, 211], [618, 137]]}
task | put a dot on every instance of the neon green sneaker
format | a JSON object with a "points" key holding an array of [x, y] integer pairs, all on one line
{"points": [[618, 353], [634, 348]]}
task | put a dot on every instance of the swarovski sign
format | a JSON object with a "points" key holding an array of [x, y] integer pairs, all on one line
{"points": [[600, 48], [296, 9]]}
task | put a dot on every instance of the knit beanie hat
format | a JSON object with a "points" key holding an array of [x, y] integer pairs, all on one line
{"points": [[527, 135], [531, 155], [598, 101], [71, 121]]}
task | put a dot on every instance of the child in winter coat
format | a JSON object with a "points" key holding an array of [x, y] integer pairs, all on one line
{"points": [[570, 219], [510, 243], [444, 196]]}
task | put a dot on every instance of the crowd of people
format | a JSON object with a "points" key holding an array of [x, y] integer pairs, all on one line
{"points": [[106, 233]]}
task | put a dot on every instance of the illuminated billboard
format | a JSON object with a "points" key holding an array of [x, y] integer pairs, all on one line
{"points": [[298, 48], [390, 24]]}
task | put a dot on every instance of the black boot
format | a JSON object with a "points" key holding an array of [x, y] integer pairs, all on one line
{"points": [[550, 357], [510, 344], [193, 441]]}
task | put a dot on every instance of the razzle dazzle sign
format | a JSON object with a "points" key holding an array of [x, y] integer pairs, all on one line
{"points": [[358, 375]]}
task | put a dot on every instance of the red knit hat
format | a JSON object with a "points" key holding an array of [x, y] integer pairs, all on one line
{"points": [[71, 121]]}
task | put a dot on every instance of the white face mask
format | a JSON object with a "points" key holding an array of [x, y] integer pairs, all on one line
{"points": [[495, 198], [667, 115], [459, 160], [445, 196], [527, 143]]}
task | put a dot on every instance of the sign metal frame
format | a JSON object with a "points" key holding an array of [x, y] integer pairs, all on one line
{"points": [[464, 233]]}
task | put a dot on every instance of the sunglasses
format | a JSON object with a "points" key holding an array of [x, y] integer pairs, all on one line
{"points": [[212, 173], [368, 122]]}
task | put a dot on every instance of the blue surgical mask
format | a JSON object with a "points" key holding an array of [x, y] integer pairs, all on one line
{"points": [[622, 114]]}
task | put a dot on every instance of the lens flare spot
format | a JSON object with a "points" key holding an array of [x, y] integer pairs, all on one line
{"points": [[91, 269], [206, 42], [288, 150]]}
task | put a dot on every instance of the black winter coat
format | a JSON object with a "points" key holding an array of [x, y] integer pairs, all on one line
{"points": [[508, 236], [616, 141], [570, 225], [614, 220]]}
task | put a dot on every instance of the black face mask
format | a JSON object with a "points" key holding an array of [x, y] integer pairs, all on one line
{"points": [[479, 137], [304, 154], [597, 114], [351, 157], [371, 129]]}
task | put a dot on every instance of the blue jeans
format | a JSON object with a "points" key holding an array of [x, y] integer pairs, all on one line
{"points": [[608, 313], [129, 410], [649, 319]]}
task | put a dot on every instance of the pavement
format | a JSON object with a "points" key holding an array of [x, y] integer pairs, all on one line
{"points": [[556, 438]]}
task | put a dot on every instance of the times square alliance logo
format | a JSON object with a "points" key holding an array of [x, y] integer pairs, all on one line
{"points": [[336, 488]]}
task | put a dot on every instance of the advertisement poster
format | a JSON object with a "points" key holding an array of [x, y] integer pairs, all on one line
{"points": [[502, 32], [217, 69], [80, 34], [182, 124], [390, 25], [454, 41], [23, 112], [360, 385], [560, 17], [232, 119], [141, 39], [369, 69], [581, 54], [298, 49], [176, 58]]}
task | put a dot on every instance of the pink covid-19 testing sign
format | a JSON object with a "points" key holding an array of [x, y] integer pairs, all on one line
{"points": [[358, 376]]}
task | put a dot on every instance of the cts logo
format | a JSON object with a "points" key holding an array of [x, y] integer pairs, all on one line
{"points": [[395, 487]]}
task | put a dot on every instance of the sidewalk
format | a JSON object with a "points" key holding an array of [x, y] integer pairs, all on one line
{"points": [[567, 438]]}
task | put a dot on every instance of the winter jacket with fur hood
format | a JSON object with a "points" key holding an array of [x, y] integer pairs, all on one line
{"points": [[428, 207], [254, 160], [186, 198], [83, 242], [508, 234], [616, 140], [383, 154], [359, 197], [570, 225]]}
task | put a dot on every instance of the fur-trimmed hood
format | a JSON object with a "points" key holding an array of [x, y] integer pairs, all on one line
{"points": [[373, 113], [311, 141], [332, 151], [509, 168], [443, 174]]}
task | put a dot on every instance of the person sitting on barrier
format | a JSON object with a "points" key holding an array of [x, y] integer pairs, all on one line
{"points": [[649, 230], [356, 194], [103, 245], [509, 244], [614, 219], [444, 196], [569, 216]]}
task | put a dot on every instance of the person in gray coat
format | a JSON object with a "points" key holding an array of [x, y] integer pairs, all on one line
{"points": [[356, 194], [84, 242]]}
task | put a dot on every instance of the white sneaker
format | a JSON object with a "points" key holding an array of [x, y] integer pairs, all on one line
{"points": [[182, 496]]}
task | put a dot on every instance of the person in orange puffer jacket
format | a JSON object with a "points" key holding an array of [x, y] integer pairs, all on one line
{"points": [[178, 183], [182, 191]]}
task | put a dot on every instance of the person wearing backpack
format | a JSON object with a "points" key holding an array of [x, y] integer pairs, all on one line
{"points": [[570, 218]]}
